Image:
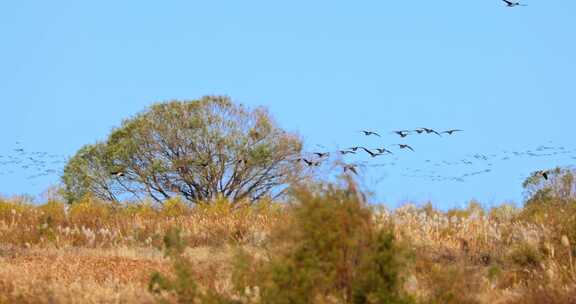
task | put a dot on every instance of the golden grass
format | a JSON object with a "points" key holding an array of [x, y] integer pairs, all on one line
{"points": [[99, 252]]}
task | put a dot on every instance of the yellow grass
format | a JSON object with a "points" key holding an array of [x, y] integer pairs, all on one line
{"points": [[99, 252]]}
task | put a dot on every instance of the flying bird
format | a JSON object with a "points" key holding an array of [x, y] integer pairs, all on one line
{"points": [[450, 132], [513, 3], [322, 155], [309, 163], [383, 150], [368, 133], [543, 173], [372, 154], [344, 152], [428, 131], [402, 133], [403, 146], [354, 148]]}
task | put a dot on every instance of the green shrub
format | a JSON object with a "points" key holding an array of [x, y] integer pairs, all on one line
{"points": [[329, 252]]}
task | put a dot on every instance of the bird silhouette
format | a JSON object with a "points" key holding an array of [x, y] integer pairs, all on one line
{"points": [[513, 3], [354, 148], [450, 132], [368, 133], [402, 133], [543, 173], [383, 150], [372, 154], [403, 146], [344, 152], [428, 131], [322, 155], [308, 162]]}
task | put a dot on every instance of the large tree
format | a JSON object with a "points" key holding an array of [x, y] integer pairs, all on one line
{"points": [[199, 149]]}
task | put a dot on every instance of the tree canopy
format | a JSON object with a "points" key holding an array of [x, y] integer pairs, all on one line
{"points": [[199, 150], [557, 183]]}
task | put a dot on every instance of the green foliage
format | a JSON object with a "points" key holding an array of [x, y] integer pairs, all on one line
{"points": [[87, 173], [380, 273], [199, 149], [560, 186], [327, 251], [330, 251]]}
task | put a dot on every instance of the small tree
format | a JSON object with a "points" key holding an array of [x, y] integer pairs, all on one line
{"points": [[329, 251], [200, 150], [555, 184]]}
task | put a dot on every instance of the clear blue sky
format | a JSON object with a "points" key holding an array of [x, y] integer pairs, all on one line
{"points": [[72, 70]]}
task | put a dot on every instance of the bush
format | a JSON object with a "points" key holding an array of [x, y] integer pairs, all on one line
{"points": [[327, 251], [330, 251]]}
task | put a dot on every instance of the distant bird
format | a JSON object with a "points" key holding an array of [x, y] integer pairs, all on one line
{"points": [[117, 173], [344, 152], [543, 173], [428, 131], [308, 162], [368, 133], [403, 146], [19, 150], [450, 132], [383, 150], [402, 133], [322, 155], [372, 154], [354, 148], [350, 168], [513, 3]]}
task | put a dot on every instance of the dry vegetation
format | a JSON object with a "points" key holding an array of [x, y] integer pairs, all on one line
{"points": [[99, 252]]}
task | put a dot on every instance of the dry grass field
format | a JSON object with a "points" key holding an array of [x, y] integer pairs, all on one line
{"points": [[100, 252]]}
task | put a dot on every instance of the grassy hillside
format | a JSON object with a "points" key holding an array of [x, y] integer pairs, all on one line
{"points": [[100, 252]]}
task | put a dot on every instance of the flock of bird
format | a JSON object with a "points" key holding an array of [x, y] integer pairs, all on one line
{"points": [[42, 164], [485, 163], [319, 157], [35, 164], [473, 164]]}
